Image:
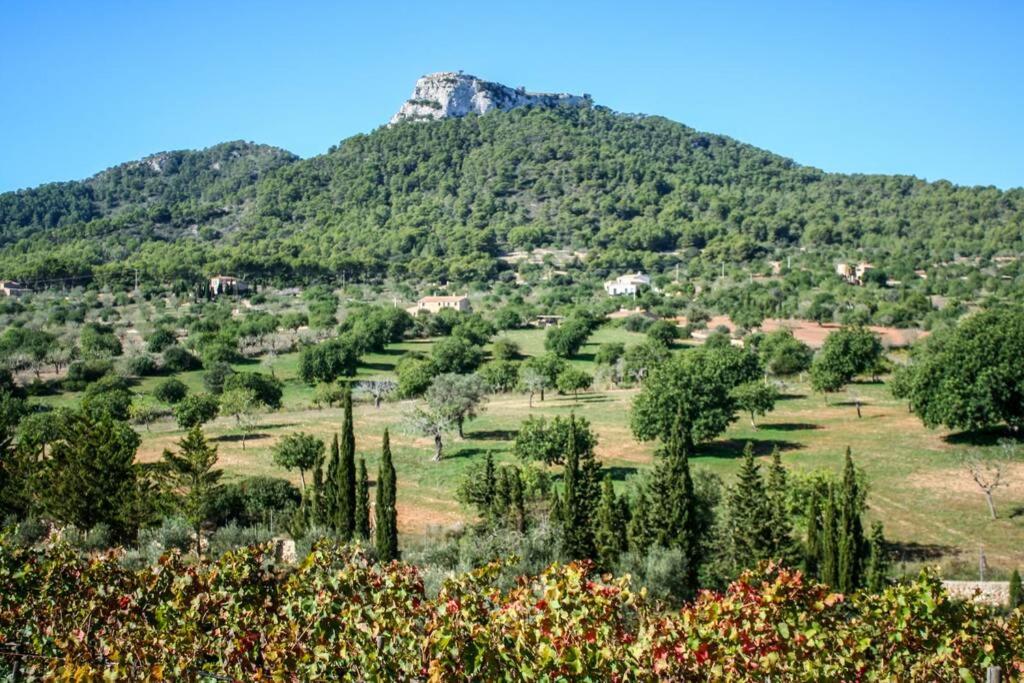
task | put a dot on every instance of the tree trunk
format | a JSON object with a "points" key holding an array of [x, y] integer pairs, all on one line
{"points": [[752, 423], [199, 541], [991, 505], [858, 410], [459, 423], [243, 441], [542, 393], [531, 399], [437, 447], [302, 479], [376, 402]]}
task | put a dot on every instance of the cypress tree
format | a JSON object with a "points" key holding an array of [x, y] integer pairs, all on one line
{"points": [[828, 570], [878, 560], [639, 532], [812, 550], [851, 547], [362, 526], [577, 529], [345, 484], [750, 536], [609, 529], [314, 513], [329, 499], [672, 495], [386, 518], [1016, 593], [517, 501], [783, 546]]}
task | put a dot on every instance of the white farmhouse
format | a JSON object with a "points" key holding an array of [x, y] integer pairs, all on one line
{"points": [[627, 285]]}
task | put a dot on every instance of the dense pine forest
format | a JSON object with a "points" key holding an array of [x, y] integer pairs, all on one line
{"points": [[441, 201]]}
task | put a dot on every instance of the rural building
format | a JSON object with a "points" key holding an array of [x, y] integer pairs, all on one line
{"points": [[627, 285], [853, 274], [227, 284], [12, 288], [433, 304]]}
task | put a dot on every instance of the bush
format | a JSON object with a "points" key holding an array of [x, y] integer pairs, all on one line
{"points": [[215, 376], [82, 372], [254, 500], [171, 390], [267, 390], [142, 365], [160, 340], [177, 359]]}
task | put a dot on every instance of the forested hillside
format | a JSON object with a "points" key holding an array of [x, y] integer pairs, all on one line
{"points": [[441, 200]]}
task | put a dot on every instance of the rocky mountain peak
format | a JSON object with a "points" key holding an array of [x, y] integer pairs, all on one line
{"points": [[454, 93]]}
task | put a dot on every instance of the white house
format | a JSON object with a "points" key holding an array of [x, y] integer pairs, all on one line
{"points": [[628, 285], [227, 284], [433, 304]]}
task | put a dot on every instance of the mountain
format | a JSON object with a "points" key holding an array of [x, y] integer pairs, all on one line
{"points": [[449, 93], [443, 199]]}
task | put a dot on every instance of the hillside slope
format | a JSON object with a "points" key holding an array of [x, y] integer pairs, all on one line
{"points": [[441, 199]]}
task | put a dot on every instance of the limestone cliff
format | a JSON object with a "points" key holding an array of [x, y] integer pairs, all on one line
{"points": [[450, 93]]}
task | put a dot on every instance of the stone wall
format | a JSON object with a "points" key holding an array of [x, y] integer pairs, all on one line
{"points": [[986, 592]]}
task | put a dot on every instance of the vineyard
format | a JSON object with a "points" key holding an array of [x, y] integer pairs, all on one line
{"points": [[341, 616]]}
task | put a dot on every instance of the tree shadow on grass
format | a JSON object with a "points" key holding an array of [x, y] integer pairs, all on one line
{"points": [[981, 437], [789, 397], [456, 452], [279, 425], [380, 367], [585, 399], [911, 551], [619, 473], [586, 357], [733, 448], [231, 438], [492, 434], [789, 426]]}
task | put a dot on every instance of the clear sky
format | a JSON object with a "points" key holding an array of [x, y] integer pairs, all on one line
{"points": [[934, 89]]}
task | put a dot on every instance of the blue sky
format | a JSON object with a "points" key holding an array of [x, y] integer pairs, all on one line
{"points": [[934, 89]]}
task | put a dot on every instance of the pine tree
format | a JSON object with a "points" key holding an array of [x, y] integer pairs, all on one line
{"points": [[812, 549], [386, 518], [609, 527], [783, 547], [1016, 593], [878, 560], [345, 485], [750, 536], [851, 548], [192, 476], [362, 526], [517, 501]]}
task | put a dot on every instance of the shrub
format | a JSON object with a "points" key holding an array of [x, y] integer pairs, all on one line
{"points": [[171, 390], [178, 359]]}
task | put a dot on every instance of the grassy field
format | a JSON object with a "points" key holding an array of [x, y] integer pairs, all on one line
{"points": [[931, 508]]}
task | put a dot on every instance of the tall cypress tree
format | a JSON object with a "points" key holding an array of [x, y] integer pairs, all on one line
{"points": [[672, 495], [577, 528], [783, 546], [1016, 593], [878, 560], [828, 571], [346, 474], [851, 548], [362, 526], [750, 535], [315, 508], [639, 531], [812, 549], [386, 517], [329, 497], [609, 527]]}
